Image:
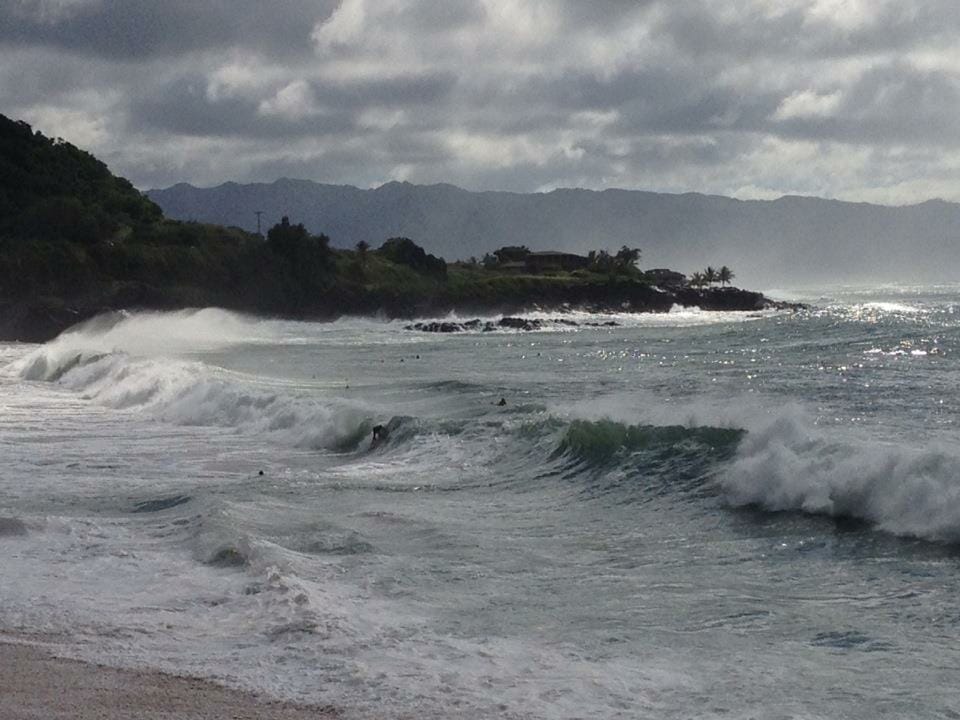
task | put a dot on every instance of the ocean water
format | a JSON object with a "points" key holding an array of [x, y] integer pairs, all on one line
{"points": [[688, 515]]}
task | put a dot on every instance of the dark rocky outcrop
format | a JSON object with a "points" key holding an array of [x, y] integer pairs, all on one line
{"points": [[506, 323]]}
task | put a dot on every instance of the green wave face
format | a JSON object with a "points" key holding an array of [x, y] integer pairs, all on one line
{"points": [[603, 442]]}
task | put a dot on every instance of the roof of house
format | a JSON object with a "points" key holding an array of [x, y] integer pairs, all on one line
{"points": [[555, 253]]}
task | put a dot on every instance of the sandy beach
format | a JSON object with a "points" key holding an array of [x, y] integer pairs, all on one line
{"points": [[35, 685]]}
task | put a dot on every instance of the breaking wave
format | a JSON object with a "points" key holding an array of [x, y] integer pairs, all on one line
{"points": [[778, 460], [119, 361], [793, 465]]}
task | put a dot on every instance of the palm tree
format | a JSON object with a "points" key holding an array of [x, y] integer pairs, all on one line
{"points": [[725, 275], [697, 280], [627, 257], [710, 275]]}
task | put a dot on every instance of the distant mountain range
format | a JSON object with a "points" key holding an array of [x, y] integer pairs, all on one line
{"points": [[789, 241]]}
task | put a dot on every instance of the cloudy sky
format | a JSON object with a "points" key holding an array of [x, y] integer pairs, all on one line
{"points": [[850, 99]]}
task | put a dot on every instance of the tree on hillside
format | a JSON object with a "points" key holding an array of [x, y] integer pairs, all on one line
{"points": [[362, 248], [627, 257], [710, 275], [283, 238], [306, 261], [698, 280], [725, 275], [51, 190], [405, 251]]}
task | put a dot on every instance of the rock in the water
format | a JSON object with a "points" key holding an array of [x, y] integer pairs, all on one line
{"points": [[508, 323], [436, 327], [12, 527], [517, 323]]}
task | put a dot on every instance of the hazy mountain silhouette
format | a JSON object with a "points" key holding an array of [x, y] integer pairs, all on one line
{"points": [[792, 240]]}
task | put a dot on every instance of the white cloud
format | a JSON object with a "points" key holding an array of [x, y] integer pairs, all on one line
{"points": [[345, 27], [239, 77], [294, 101], [807, 104], [85, 129]]}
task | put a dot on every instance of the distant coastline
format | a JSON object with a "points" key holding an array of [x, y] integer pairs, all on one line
{"points": [[77, 241]]}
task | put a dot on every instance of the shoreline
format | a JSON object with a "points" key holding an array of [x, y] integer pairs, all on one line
{"points": [[35, 684], [41, 319]]}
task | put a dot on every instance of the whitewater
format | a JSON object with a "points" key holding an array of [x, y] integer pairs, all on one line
{"points": [[688, 514]]}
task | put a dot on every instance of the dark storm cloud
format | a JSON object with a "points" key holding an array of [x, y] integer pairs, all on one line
{"points": [[658, 99], [843, 97], [796, 32], [187, 106], [184, 106], [132, 29], [399, 90]]}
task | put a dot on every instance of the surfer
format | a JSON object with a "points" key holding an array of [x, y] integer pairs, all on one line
{"points": [[380, 433]]}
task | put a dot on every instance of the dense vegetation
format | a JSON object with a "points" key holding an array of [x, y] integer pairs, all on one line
{"points": [[74, 236]]}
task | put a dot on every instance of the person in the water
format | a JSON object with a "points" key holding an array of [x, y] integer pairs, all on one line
{"points": [[380, 433]]}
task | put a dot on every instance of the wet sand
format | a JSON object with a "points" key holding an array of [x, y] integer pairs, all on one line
{"points": [[35, 685]]}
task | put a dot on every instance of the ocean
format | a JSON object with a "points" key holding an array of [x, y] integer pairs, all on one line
{"points": [[686, 515]]}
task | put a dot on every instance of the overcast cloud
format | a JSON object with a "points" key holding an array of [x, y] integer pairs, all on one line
{"points": [[851, 99]]}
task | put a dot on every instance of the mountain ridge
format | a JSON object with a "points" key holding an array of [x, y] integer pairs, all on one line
{"points": [[794, 238]]}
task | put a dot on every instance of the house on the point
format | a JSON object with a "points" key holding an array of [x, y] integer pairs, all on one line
{"points": [[547, 260], [519, 259], [667, 279]]}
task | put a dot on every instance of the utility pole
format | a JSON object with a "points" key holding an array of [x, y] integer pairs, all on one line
{"points": [[258, 213]]}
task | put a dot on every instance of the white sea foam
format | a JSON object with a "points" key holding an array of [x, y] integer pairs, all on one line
{"points": [[792, 464], [890, 307], [558, 321], [642, 407]]}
